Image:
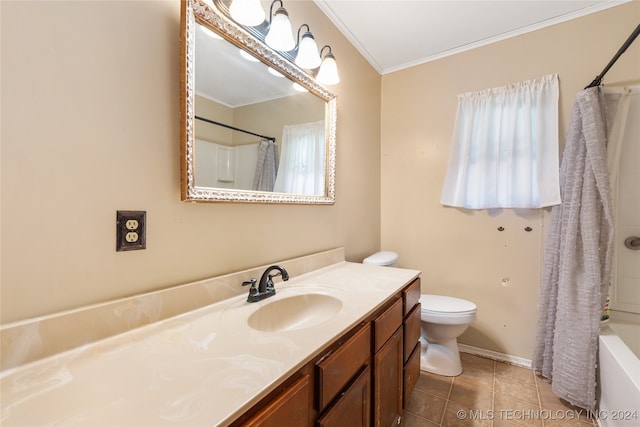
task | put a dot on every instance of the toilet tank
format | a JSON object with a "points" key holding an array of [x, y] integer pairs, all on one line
{"points": [[384, 258]]}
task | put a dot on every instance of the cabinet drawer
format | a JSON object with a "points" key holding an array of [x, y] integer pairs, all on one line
{"points": [[386, 324], [337, 369], [411, 331], [353, 408], [411, 374], [411, 295], [292, 407]]}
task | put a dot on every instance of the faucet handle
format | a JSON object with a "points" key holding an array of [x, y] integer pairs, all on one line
{"points": [[251, 282], [254, 289], [270, 281]]}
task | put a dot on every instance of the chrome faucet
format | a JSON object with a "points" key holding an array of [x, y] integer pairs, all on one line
{"points": [[265, 287]]}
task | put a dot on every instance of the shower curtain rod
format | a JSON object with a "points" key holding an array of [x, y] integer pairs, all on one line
{"points": [[213, 122], [598, 80]]}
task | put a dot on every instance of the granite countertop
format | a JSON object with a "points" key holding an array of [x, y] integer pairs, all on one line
{"points": [[203, 367]]}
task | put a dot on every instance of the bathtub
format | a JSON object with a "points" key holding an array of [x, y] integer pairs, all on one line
{"points": [[619, 373]]}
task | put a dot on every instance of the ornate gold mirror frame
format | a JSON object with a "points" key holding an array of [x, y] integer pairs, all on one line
{"points": [[198, 12]]}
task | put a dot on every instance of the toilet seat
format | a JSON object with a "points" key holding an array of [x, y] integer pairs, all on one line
{"points": [[446, 310], [444, 304]]}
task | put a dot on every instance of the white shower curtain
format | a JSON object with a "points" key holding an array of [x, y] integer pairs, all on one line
{"points": [[617, 105], [266, 166], [577, 258], [302, 163]]}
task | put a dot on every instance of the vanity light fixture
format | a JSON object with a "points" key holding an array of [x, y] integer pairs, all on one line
{"points": [[279, 36], [247, 12], [328, 72], [307, 56], [276, 33]]}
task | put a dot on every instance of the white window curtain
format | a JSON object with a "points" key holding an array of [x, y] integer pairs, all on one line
{"points": [[302, 160], [504, 152]]}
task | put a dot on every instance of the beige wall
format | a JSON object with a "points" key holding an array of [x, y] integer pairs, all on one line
{"points": [[215, 111], [460, 252], [90, 125]]}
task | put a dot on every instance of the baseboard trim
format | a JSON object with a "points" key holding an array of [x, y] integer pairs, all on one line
{"points": [[494, 355]]}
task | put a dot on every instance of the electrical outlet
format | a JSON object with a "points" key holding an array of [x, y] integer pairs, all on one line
{"points": [[130, 230]]}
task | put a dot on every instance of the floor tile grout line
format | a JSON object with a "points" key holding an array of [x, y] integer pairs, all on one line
{"points": [[446, 402], [535, 381], [493, 390]]}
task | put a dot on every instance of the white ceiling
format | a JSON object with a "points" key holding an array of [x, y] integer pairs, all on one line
{"points": [[393, 35]]}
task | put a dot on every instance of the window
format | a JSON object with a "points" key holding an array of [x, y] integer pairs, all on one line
{"points": [[504, 152]]}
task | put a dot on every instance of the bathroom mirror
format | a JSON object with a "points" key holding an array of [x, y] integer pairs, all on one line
{"points": [[233, 110]]}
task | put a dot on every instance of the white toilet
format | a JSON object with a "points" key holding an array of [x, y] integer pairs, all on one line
{"points": [[444, 319]]}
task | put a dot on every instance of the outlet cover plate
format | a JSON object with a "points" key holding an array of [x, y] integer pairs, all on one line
{"points": [[131, 232]]}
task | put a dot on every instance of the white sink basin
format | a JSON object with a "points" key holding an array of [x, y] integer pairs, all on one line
{"points": [[295, 312]]}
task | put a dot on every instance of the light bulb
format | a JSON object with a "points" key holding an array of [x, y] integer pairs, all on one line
{"points": [[308, 57], [280, 36], [328, 72], [247, 12]]}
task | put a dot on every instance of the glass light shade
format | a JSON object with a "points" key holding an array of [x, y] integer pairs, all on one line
{"points": [[308, 56], [328, 72], [247, 12], [280, 36]]}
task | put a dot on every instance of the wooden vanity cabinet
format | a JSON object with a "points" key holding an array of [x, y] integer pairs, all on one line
{"points": [[363, 379]]}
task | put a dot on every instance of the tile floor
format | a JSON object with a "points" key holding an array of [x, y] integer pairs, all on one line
{"points": [[491, 394]]}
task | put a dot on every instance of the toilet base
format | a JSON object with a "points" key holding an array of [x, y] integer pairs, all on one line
{"points": [[441, 358]]}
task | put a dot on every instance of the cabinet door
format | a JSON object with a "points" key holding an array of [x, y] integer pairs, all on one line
{"points": [[387, 395], [411, 331], [353, 408], [411, 374], [291, 408]]}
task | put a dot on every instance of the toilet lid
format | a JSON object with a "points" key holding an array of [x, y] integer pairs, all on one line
{"points": [[382, 258], [443, 304]]}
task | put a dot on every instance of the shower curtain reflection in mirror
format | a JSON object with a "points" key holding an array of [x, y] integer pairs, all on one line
{"points": [[266, 166], [302, 159]]}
